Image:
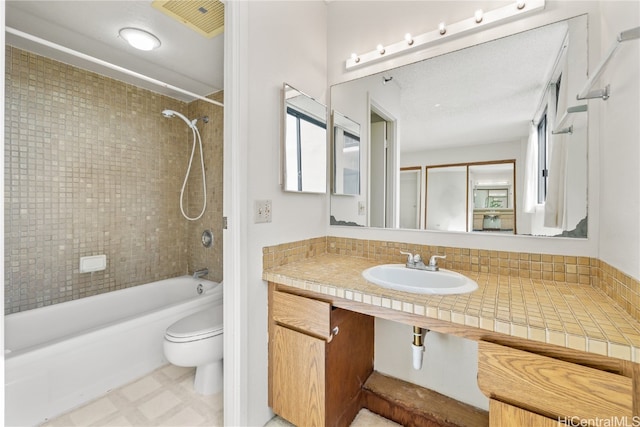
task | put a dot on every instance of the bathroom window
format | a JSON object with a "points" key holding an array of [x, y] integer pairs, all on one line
{"points": [[543, 172], [544, 139]]}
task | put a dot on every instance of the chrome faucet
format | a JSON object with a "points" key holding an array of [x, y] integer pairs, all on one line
{"points": [[415, 261], [200, 273], [433, 262]]}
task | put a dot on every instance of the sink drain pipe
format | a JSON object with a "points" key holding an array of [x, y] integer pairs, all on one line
{"points": [[418, 346]]}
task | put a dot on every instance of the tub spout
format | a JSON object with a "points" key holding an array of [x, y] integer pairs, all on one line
{"points": [[200, 273]]}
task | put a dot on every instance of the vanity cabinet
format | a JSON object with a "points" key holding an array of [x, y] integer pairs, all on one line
{"points": [[526, 388], [319, 358], [505, 415]]}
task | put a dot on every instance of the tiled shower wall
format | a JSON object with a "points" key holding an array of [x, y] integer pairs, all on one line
{"points": [[92, 167]]}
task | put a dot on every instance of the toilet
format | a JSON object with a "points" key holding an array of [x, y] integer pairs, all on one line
{"points": [[196, 340]]}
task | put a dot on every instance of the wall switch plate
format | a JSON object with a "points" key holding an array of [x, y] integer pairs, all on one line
{"points": [[262, 211], [361, 208]]}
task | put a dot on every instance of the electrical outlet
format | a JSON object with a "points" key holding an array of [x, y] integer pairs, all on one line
{"points": [[262, 211]]}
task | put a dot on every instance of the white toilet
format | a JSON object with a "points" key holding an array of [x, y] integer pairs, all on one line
{"points": [[196, 340]]}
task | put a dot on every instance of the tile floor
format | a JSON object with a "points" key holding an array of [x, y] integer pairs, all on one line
{"points": [[365, 418], [163, 398]]}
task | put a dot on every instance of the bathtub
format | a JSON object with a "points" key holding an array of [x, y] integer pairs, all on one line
{"points": [[60, 356]]}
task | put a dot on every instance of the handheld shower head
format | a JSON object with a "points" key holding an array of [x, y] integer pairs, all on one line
{"points": [[170, 113]]}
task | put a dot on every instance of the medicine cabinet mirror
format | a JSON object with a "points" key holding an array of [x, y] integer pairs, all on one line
{"points": [[304, 143], [503, 99]]}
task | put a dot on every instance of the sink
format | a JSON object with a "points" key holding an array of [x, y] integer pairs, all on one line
{"points": [[401, 278]]}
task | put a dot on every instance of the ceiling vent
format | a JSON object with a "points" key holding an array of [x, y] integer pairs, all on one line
{"points": [[204, 16]]}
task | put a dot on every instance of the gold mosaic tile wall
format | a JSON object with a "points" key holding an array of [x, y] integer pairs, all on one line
{"points": [[212, 138], [92, 167], [286, 253], [569, 269], [623, 289]]}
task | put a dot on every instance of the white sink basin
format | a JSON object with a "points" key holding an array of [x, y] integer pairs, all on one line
{"points": [[401, 278]]}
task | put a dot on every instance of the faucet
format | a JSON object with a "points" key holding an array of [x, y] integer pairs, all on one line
{"points": [[433, 262], [200, 273], [415, 261]]}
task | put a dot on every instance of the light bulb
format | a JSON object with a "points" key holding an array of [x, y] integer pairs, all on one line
{"points": [[355, 57], [442, 28], [408, 39], [478, 16], [139, 39], [380, 49], [520, 4]]}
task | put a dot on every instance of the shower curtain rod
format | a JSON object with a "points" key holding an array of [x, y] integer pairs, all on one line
{"points": [[108, 64]]}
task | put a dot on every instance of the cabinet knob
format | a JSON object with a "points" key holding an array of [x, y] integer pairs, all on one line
{"points": [[335, 331]]}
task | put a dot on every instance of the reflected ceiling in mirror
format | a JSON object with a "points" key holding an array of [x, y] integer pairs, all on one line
{"points": [[497, 100]]}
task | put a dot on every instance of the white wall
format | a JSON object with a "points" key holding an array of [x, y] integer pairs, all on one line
{"points": [[270, 42], [619, 141]]}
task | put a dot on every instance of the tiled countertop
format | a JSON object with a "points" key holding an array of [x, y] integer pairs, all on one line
{"points": [[575, 316]]}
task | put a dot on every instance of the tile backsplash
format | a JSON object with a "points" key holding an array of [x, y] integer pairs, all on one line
{"points": [[624, 290], [92, 167]]}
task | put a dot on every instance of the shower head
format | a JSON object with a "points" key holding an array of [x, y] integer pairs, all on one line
{"points": [[170, 113]]}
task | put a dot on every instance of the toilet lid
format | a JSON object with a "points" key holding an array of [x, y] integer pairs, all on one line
{"points": [[200, 325]]}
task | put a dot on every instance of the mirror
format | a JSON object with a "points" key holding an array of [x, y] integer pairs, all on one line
{"points": [[410, 197], [304, 143], [504, 99], [346, 155], [471, 197]]}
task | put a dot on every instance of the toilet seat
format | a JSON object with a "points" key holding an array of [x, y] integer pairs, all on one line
{"points": [[198, 326]]}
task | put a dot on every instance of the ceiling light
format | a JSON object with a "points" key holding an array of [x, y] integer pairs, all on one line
{"points": [[408, 39], [492, 17], [139, 39]]}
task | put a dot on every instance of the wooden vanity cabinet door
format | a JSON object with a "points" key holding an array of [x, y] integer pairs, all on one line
{"points": [[550, 386], [298, 377], [319, 358], [504, 415]]}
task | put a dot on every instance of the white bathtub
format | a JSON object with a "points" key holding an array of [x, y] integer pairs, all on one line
{"points": [[60, 356]]}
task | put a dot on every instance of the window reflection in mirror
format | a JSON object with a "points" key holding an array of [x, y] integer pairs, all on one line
{"points": [[346, 155], [304, 143], [493, 193], [478, 104]]}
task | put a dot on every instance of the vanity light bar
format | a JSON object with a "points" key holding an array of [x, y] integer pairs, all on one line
{"points": [[478, 20]]}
